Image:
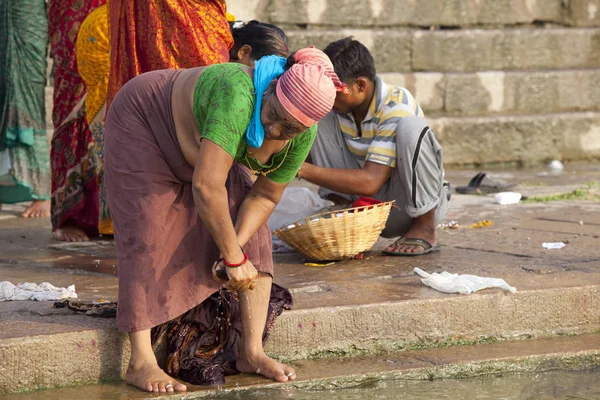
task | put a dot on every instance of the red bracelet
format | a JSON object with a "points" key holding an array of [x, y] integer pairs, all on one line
{"points": [[228, 265]]}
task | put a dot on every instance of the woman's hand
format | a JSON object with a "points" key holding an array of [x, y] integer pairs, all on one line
{"points": [[239, 278]]}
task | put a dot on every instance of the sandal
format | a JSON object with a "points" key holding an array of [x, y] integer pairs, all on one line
{"points": [[427, 247], [480, 184]]}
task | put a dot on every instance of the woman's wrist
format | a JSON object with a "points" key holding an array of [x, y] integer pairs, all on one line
{"points": [[236, 264]]}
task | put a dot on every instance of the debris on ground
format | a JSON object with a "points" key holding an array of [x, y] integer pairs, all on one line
{"points": [[553, 246], [481, 224], [463, 284]]}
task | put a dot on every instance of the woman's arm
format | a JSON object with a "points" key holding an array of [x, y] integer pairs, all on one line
{"points": [[211, 199], [257, 207]]}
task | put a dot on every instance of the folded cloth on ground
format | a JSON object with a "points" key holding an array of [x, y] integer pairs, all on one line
{"points": [[32, 291], [463, 284]]}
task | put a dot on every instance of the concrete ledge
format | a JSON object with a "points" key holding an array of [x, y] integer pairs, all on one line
{"points": [[377, 13], [405, 325], [571, 353], [525, 139], [405, 50], [63, 359], [499, 92], [89, 356]]}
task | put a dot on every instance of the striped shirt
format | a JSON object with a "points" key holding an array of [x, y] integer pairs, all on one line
{"points": [[376, 142]]}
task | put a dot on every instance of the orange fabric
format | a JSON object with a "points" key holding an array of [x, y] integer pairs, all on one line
{"points": [[159, 34]]}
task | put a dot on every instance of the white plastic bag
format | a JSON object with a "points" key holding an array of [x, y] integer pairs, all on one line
{"points": [[296, 203], [463, 284]]}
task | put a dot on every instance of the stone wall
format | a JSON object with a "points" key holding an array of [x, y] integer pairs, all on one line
{"points": [[501, 81]]}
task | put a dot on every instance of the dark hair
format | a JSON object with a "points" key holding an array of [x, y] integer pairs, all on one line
{"points": [[265, 39], [351, 59]]}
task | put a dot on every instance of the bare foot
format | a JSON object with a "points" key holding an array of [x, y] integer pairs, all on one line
{"points": [[70, 234], [37, 209], [267, 367], [150, 378], [397, 247], [422, 227]]}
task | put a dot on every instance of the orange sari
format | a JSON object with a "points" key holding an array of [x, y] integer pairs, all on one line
{"points": [[159, 34]]}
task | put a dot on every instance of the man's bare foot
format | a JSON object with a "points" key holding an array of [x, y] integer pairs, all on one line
{"points": [[267, 367], [423, 228], [37, 209], [70, 234], [398, 247], [150, 378]]}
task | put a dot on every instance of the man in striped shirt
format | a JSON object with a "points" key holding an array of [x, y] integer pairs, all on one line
{"points": [[376, 143]]}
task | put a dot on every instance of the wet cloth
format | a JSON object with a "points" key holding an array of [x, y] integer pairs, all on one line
{"points": [[223, 106], [203, 349], [24, 153], [159, 34], [32, 291], [75, 190], [417, 181], [165, 253], [93, 63]]}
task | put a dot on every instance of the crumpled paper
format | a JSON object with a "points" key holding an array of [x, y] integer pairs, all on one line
{"points": [[463, 284], [32, 291]]}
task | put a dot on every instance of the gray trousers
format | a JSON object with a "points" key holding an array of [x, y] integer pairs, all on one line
{"points": [[416, 183]]}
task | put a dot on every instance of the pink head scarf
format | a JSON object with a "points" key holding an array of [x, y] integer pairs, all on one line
{"points": [[307, 89]]}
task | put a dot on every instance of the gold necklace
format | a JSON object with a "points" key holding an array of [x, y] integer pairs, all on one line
{"points": [[265, 173]]}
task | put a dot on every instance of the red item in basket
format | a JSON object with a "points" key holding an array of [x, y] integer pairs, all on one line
{"points": [[365, 201]]}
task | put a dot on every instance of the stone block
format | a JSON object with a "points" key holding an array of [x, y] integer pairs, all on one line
{"points": [[525, 139], [246, 10], [584, 12], [480, 50], [391, 49], [428, 88], [458, 13], [522, 92]]}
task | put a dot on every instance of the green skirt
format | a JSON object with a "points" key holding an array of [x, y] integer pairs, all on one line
{"points": [[24, 152]]}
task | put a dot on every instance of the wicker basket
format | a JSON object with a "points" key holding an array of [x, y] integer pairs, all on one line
{"points": [[337, 235]]}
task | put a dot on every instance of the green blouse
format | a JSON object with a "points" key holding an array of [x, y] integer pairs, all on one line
{"points": [[223, 105]]}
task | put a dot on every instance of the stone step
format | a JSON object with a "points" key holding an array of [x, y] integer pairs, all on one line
{"points": [[470, 50], [565, 353], [424, 13], [82, 350], [529, 139], [500, 92], [489, 92]]}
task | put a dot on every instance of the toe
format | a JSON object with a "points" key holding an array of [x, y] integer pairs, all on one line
{"points": [[162, 388], [179, 387], [148, 387]]}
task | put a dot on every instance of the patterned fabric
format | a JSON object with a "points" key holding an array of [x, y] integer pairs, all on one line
{"points": [[74, 186], [223, 104], [376, 142], [161, 34], [24, 162], [92, 49]]}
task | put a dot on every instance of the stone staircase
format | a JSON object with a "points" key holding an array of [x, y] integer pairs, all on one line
{"points": [[501, 81]]}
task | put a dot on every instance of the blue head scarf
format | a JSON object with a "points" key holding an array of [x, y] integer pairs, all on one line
{"points": [[265, 70]]}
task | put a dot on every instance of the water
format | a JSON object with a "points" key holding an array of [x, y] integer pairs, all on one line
{"points": [[535, 386]]}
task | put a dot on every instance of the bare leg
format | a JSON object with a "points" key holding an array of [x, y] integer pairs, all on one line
{"points": [[37, 209], [253, 308], [70, 233], [143, 371], [422, 227]]}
